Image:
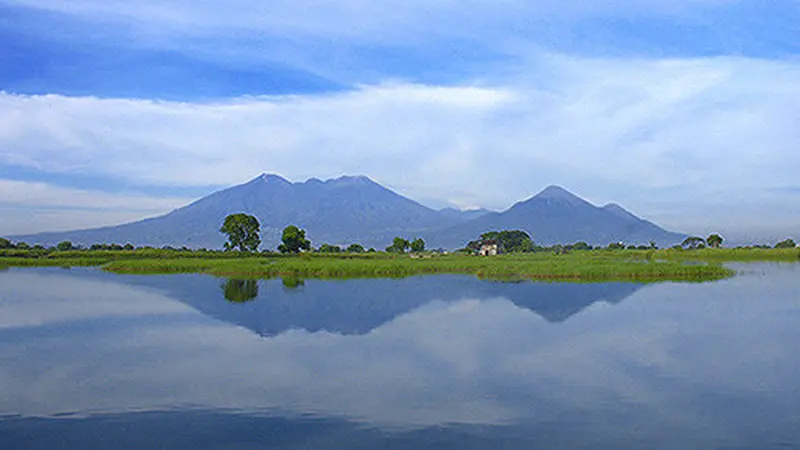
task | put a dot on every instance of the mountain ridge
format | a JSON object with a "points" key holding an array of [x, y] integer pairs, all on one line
{"points": [[356, 208]]}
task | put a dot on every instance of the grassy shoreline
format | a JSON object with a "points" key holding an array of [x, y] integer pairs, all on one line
{"points": [[563, 269], [590, 266], [579, 266]]}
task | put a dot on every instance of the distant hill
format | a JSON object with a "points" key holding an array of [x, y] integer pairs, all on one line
{"points": [[356, 209], [556, 216]]}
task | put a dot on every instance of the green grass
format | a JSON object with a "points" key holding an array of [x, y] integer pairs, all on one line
{"points": [[732, 255], [6, 262], [578, 267], [595, 265]]}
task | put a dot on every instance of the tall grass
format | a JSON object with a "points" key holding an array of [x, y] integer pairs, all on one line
{"points": [[541, 267], [592, 265]]}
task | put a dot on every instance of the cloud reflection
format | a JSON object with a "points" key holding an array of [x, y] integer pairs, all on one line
{"points": [[481, 360]]}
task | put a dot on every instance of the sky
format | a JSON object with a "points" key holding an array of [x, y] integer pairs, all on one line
{"points": [[683, 111]]}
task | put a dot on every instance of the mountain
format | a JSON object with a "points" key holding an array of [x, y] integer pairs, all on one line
{"points": [[460, 215], [556, 216], [339, 211], [356, 209]]}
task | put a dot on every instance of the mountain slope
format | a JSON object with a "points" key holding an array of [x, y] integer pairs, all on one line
{"points": [[458, 215], [556, 216], [339, 211], [356, 209]]}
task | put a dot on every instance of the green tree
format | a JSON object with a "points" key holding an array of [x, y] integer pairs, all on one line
{"points": [[355, 248], [580, 246], [399, 245], [240, 291], [472, 247], [693, 242], [64, 246], [5, 244], [616, 246], [513, 241], [788, 243], [714, 241], [418, 245], [242, 231], [294, 240], [328, 248]]}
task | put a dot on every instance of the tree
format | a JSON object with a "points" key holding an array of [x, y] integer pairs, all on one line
{"points": [[399, 245], [418, 245], [616, 246], [294, 240], [242, 231], [788, 243], [512, 240], [472, 247], [5, 244], [64, 246], [328, 248], [693, 242], [355, 248], [714, 241], [581, 246]]}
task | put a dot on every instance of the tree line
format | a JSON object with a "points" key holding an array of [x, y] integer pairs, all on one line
{"points": [[243, 234], [242, 231]]}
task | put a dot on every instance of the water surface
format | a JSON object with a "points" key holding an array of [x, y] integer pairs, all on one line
{"points": [[95, 360]]}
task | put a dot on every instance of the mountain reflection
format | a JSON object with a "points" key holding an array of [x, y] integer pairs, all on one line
{"points": [[557, 302], [356, 307]]}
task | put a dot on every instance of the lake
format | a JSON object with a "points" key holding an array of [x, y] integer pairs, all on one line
{"points": [[92, 360]]}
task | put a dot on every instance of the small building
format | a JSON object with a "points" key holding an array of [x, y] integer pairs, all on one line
{"points": [[490, 247]]}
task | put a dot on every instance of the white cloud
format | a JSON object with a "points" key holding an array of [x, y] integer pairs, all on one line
{"points": [[702, 131], [34, 194], [31, 207]]}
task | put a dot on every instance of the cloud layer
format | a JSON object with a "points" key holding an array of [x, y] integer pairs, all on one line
{"points": [[29, 207], [685, 111], [692, 132]]}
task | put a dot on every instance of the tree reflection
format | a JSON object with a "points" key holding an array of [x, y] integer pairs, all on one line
{"points": [[292, 282], [240, 291]]}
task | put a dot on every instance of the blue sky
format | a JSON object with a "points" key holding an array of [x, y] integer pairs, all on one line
{"points": [[683, 111]]}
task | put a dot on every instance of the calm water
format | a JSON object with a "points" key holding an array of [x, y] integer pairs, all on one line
{"points": [[90, 360]]}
